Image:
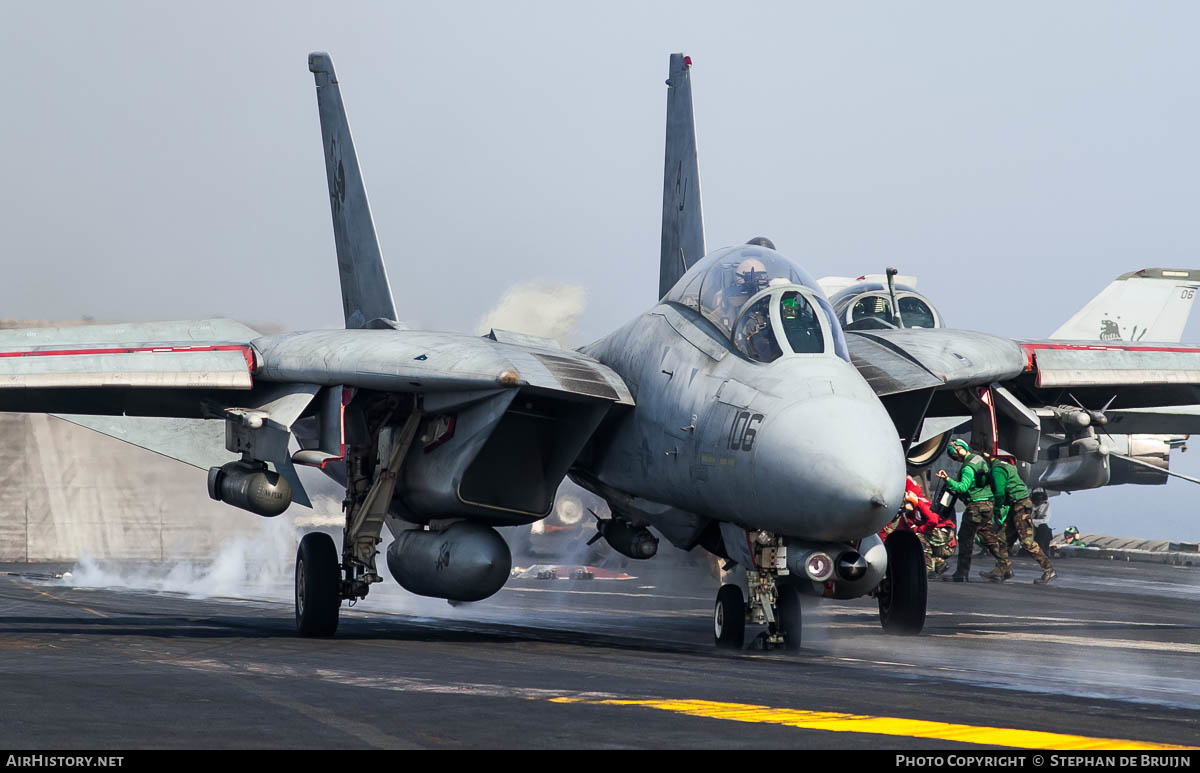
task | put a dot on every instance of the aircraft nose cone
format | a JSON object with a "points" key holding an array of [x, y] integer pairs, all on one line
{"points": [[832, 468]]}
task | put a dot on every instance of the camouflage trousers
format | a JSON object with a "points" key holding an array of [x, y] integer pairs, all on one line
{"points": [[939, 546], [978, 519], [1021, 516]]}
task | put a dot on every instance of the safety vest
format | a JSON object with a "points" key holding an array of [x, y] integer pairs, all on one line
{"points": [[981, 484], [1014, 488]]}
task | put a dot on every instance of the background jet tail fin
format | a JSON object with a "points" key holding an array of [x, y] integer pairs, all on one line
{"points": [[366, 294], [683, 218], [1148, 305]]}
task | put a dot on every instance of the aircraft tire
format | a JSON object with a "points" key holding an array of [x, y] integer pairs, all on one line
{"points": [[729, 618], [903, 591], [790, 617], [318, 575]]}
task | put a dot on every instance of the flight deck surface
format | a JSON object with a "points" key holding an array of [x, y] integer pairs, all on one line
{"points": [[1105, 655]]}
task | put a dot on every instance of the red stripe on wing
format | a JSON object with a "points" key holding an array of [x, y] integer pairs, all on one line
{"points": [[247, 352]]}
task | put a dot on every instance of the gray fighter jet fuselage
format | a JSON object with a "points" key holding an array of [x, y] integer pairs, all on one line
{"points": [[782, 435]]}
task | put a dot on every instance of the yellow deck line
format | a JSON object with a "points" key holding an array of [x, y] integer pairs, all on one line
{"points": [[861, 723]]}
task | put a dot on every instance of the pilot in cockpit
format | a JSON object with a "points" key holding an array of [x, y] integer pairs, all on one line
{"points": [[749, 277]]}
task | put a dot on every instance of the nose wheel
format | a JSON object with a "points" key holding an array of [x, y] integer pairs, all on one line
{"points": [[729, 618], [788, 617], [318, 585]]}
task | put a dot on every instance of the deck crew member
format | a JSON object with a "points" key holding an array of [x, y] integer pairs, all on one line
{"points": [[1013, 501], [973, 484]]}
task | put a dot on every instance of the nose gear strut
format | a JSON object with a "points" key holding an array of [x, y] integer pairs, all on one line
{"points": [[772, 600]]}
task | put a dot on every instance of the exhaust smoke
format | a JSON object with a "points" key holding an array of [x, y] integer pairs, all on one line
{"points": [[548, 310]]}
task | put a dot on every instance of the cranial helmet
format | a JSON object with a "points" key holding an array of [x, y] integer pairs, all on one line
{"points": [[958, 448], [751, 275]]}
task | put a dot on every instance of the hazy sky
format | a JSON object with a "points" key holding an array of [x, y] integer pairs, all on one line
{"points": [[164, 161]]}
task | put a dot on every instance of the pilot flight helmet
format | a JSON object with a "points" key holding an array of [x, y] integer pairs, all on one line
{"points": [[750, 276], [958, 449]]}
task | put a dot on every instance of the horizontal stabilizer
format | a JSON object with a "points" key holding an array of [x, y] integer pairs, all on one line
{"points": [[198, 442]]}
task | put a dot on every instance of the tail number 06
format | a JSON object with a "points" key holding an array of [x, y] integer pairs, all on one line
{"points": [[741, 434]]}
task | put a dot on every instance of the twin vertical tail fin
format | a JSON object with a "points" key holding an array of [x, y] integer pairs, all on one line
{"points": [[1148, 305], [366, 295], [683, 217]]}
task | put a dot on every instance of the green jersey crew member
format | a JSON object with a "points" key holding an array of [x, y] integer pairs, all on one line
{"points": [[973, 484], [1013, 500]]}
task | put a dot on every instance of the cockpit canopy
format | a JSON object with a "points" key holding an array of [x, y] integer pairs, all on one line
{"points": [[766, 304], [868, 304]]}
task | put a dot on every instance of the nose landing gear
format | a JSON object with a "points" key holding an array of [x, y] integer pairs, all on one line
{"points": [[773, 603]]}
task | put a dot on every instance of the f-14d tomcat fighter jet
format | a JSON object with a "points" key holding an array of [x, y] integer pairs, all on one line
{"points": [[733, 415]]}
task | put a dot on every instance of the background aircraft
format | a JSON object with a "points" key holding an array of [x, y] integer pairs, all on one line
{"points": [[1080, 448]]}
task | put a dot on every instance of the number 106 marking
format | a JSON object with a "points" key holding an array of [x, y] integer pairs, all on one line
{"points": [[741, 434]]}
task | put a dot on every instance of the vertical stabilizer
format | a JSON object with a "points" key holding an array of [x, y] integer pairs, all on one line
{"points": [[1148, 305], [683, 217], [366, 294]]}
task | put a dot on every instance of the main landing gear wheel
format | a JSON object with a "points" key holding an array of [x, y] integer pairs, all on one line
{"points": [[903, 590], [729, 618], [318, 577], [787, 609]]}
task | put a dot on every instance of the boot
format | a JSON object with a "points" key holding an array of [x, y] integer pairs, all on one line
{"points": [[956, 577], [1046, 577], [996, 575]]}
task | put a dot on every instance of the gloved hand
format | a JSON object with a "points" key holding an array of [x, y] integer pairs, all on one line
{"points": [[1002, 515]]}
